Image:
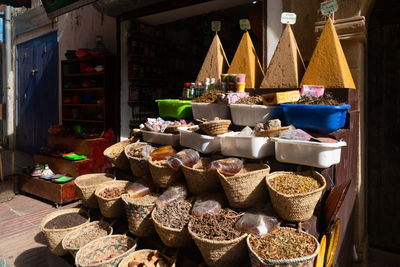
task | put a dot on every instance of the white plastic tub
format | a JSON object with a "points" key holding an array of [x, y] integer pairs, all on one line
{"points": [[200, 142], [210, 110], [320, 155], [249, 115], [246, 146], [160, 138]]}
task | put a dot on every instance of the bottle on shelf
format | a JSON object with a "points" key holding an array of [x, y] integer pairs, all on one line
{"points": [[192, 90], [206, 86], [198, 89], [186, 90], [212, 85]]}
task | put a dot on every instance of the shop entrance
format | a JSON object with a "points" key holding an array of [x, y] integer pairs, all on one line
{"points": [[383, 124], [37, 91]]}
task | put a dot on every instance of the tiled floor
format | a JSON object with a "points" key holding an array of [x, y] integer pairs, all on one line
{"points": [[21, 242]]}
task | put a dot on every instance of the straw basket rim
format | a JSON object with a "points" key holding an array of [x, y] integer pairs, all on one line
{"points": [[219, 242], [133, 248], [151, 161], [165, 227], [121, 143], [134, 144], [215, 122], [66, 247], [242, 175], [82, 177], [196, 169], [316, 175], [271, 132], [101, 187], [57, 213], [286, 261], [132, 200]]}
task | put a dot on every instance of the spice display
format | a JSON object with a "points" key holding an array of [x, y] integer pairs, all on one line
{"points": [[211, 97], [229, 166], [112, 192], [187, 157], [163, 153], [217, 226], [88, 235], [135, 151], [66, 220], [173, 193], [160, 125], [326, 99], [153, 259], [175, 215], [141, 187], [250, 100], [283, 244], [208, 203], [291, 184]]}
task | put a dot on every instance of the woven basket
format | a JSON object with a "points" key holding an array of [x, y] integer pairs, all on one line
{"points": [[103, 247], [78, 232], [139, 166], [86, 186], [163, 176], [139, 217], [144, 253], [307, 261], [221, 253], [298, 207], [54, 237], [246, 188], [172, 237], [200, 180], [119, 159], [215, 127], [110, 207], [272, 133]]}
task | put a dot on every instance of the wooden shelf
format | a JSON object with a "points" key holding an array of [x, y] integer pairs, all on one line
{"points": [[83, 74], [89, 58], [83, 105], [145, 38], [77, 120], [83, 89]]}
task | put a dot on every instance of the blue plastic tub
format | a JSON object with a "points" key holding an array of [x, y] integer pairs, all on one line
{"points": [[321, 118]]}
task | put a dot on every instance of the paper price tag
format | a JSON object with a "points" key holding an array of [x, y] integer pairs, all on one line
{"points": [[329, 6], [215, 25], [244, 24], [288, 18]]}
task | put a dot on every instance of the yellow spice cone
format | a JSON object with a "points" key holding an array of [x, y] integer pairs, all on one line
{"points": [[246, 61], [215, 62], [328, 65], [286, 66]]}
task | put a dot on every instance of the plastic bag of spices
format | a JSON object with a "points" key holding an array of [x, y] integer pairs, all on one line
{"points": [[141, 187], [228, 167], [163, 153], [172, 193], [146, 151], [207, 203], [257, 222], [187, 157]]}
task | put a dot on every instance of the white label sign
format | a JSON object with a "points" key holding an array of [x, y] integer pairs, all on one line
{"points": [[244, 24], [288, 18], [329, 6], [215, 25]]}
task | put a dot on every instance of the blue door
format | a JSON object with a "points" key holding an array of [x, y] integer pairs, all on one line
{"points": [[37, 91]]}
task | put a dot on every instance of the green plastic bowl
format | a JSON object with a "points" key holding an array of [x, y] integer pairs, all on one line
{"points": [[174, 108]]}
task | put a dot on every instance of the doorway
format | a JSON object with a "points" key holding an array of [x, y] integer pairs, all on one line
{"points": [[37, 91]]}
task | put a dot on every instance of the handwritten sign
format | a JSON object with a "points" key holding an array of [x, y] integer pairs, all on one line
{"points": [[215, 25], [329, 6], [288, 18], [244, 24]]}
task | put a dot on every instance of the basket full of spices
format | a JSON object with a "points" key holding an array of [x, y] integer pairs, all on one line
{"points": [[247, 187], [148, 257], [163, 176], [107, 251], [219, 242], [76, 239], [109, 197], [138, 211], [171, 222], [294, 195], [283, 247], [199, 180], [116, 155], [138, 164], [59, 223], [86, 186]]}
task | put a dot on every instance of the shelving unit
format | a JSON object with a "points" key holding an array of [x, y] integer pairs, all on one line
{"points": [[87, 97], [146, 73]]}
